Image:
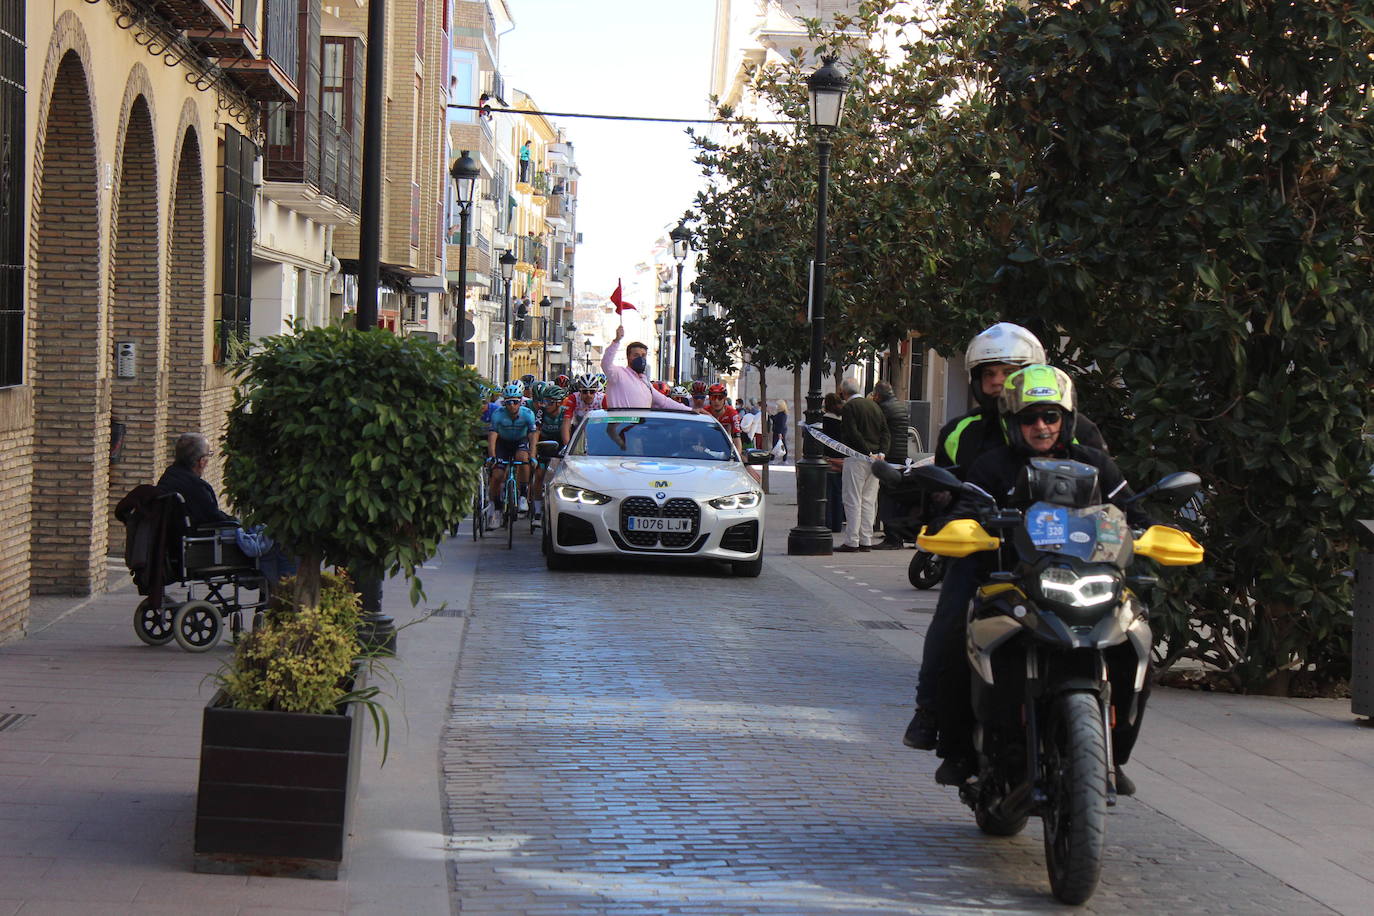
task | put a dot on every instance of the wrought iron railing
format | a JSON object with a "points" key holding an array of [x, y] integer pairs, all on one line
{"points": [[281, 34]]}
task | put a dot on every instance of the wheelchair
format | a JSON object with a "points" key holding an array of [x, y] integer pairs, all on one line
{"points": [[206, 561]]}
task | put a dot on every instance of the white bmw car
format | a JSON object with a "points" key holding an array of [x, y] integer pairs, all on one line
{"points": [[654, 483]]}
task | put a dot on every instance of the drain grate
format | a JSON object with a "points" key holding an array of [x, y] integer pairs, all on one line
{"points": [[12, 720], [883, 625], [451, 612]]}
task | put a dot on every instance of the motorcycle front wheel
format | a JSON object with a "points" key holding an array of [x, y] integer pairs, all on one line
{"points": [[1075, 818], [926, 570]]}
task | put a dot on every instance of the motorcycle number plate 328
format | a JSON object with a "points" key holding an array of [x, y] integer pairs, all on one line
{"points": [[1047, 525]]}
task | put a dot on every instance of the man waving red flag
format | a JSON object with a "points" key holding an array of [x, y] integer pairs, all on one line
{"points": [[620, 304]]}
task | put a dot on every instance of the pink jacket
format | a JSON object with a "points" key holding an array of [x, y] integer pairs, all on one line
{"points": [[627, 388]]}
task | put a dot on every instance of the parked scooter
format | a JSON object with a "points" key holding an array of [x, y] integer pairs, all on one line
{"points": [[1062, 595]]}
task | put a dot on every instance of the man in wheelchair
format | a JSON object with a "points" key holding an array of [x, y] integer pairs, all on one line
{"points": [[186, 475], [178, 535]]}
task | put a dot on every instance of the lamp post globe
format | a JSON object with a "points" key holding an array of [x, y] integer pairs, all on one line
{"points": [[681, 237], [507, 262], [464, 173], [812, 536]]}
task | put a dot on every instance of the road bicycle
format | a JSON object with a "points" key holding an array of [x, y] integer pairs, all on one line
{"points": [[510, 499], [479, 505]]}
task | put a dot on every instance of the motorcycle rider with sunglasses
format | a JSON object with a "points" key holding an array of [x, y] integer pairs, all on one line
{"points": [[992, 355], [1036, 409]]}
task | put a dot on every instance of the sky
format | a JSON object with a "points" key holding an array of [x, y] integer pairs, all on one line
{"points": [[622, 57]]}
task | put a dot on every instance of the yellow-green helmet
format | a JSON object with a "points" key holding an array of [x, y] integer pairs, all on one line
{"points": [[1037, 386]]}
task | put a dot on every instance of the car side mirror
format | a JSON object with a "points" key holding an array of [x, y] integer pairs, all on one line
{"points": [[757, 456]]}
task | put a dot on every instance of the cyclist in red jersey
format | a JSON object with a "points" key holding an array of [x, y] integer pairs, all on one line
{"points": [[718, 406], [587, 396]]}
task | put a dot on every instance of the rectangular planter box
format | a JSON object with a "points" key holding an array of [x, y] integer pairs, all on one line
{"points": [[276, 791]]}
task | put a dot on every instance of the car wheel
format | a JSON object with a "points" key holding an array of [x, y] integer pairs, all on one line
{"points": [[556, 562], [747, 568]]}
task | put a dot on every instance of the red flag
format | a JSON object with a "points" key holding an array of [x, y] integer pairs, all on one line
{"points": [[620, 304]]}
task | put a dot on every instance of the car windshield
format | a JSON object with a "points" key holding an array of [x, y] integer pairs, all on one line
{"points": [[614, 436]]}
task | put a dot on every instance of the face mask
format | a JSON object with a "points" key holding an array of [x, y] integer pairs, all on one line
{"points": [[639, 364]]}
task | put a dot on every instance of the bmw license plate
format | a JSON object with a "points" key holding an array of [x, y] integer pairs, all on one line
{"points": [[646, 523]]}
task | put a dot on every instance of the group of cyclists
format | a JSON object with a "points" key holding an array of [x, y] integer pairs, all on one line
{"points": [[523, 413]]}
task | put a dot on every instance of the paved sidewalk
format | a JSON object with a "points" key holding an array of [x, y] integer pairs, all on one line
{"points": [[98, 812]]}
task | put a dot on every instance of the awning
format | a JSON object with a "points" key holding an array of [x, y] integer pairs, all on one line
{"points": [[423, 285]]}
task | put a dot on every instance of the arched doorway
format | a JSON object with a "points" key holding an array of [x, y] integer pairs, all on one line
{"points": [[139, 386], [186, 263], [71, 403]]}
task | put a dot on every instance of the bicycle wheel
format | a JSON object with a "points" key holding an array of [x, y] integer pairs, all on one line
{"points": [[477, 509], [511, 509]]}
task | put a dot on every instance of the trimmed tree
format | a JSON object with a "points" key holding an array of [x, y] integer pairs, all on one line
{"points": [[1187, 188], [354, 448]]}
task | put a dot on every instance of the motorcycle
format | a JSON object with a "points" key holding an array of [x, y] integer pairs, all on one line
{"points": [[913, 504], [1060, 614]]}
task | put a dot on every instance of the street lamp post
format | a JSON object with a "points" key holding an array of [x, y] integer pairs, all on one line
{"points": [[682, 241], [812, 536], [587, 355], [544, 304], [507, 262], [658, 339], [465, 173], [571, 338]]}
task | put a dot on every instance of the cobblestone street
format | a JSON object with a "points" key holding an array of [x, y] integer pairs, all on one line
{"points": [[650, 739]]}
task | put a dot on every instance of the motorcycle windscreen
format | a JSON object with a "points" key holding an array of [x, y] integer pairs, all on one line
{"points": [[1097, 534]]}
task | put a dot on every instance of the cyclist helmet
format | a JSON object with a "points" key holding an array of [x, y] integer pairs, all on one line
{"points": [[717, 388], [1004, 343], [661, 387], [513, 390], [563, 382], [678, 393], [554, 392], [698, 388], [1037, 386], [527, 379], [600, 380], [584, 382]]}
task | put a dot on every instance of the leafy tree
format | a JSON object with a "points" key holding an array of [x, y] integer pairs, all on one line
{"points": [[1184, 196], [354, 448]]}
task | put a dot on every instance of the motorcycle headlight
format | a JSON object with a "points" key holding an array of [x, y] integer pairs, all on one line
{"points": [[1066, 586], [579, 495], [747, 500]]}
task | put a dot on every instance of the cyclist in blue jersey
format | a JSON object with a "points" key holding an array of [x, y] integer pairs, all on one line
{"points": [[511, 436]]}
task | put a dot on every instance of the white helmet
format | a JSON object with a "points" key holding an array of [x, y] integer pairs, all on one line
{"points": [[1004, 343]]}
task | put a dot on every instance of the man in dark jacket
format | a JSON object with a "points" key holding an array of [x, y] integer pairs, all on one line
{"points": [[889, 510], [186, 476], [864, 429]]}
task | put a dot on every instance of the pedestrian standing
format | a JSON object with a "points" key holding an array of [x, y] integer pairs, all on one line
{"points": [[834, 471], [749, 425], [864, 429], [525, 162], [778, 421], [890, 511]]}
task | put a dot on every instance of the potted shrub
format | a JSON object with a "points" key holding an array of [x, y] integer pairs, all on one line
{"points": [[358, 449], [280, 740]]}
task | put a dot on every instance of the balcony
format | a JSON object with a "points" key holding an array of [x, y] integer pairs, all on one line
{"points": [[198, 14], [271, 76], [531, 254], [311, 164]]}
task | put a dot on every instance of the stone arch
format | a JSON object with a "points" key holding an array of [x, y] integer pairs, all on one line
{"points": [[139, 383], [71, 392], [186, 291]]}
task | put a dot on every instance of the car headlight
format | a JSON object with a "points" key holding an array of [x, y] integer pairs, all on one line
{"points": [[579, 495], [746, 500], [1065, 586]]}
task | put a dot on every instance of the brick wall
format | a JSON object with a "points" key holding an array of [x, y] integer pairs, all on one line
{"points": [[16, 460]]}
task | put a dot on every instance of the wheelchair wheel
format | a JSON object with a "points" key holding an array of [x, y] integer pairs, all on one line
{"points": [[197, 626], [153, 625]]}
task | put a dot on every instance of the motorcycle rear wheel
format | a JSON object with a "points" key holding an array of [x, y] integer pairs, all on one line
{"points": [[1075, 818]]}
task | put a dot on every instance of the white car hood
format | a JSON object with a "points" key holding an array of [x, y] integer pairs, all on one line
{"points": [[624, 476]]}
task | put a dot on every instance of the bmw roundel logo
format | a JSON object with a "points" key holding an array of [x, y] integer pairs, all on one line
{"points": [[661, 495]]}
